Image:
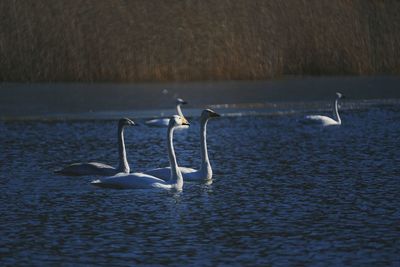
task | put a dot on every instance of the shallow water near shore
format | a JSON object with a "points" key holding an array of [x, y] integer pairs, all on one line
{"points": [[283, 193]]}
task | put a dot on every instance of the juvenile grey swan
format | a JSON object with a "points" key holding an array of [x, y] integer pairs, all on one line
{"points": [[324, 120], [95, 168], [163, 122], [144, 181], [204, 173]]}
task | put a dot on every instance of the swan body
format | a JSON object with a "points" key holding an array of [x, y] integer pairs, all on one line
{"points": [[158, 122], [323, 120], [189, 174], [163, 122], [87, 168], [146, 181], [327, 121], [95, 168], [204, 173], [134, 180]]}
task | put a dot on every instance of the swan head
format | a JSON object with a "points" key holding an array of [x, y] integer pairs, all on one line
{"points": [[208, 113], [180, 101], [340, 95], [127, 122], [177, 120]]}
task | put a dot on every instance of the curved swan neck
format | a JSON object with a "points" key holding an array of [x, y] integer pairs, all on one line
{"points": [[178, 110], [123, 161], [203, 142], [336, 111], [176, 176]]}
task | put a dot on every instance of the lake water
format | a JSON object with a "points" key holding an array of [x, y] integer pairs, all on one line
{"points": [[283, 193]]}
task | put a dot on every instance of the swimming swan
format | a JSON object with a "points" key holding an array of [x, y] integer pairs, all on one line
{"points": [[146, 181], [165, 121], [326, 121], [189, 174], [95, 168]]}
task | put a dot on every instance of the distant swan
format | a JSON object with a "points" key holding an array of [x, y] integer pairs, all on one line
{"points": [[146, 181], [326, 121], [189, 174], [95, 168], [163, 122]]}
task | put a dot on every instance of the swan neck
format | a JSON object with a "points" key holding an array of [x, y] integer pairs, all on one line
{"points": [[203, 143], [178, 110], [123, 161], [336, 111], [176, 176]]}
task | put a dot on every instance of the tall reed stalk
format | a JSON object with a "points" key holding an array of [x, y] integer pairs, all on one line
{"points": [[164, 40]]}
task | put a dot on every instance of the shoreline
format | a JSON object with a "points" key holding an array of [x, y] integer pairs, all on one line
{"points": [[225, 110], [44, 99]]}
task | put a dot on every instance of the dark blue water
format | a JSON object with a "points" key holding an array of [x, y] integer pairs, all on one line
{"points": [[283, 194]]}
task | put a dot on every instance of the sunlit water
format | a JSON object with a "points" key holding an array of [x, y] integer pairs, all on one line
{"points": [[283, 194]]}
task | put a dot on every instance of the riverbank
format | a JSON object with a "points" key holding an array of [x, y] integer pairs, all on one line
{"points": [[22, 100]]}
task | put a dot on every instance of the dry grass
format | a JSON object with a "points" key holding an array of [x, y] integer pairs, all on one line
{"points": [[163, 40]]}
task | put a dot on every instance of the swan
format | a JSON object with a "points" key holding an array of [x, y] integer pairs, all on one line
{"points": [[189, 174], [95, 168], [324, 120], [146, 181], [163, 122]]}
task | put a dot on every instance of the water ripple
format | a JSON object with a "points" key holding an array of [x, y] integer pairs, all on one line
{"points": [[283, 194]]}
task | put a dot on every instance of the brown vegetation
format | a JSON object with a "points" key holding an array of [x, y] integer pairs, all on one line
{"points": [[163, 40]]}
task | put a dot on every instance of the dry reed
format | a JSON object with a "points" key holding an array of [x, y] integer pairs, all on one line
{"points": [[165, 40]]}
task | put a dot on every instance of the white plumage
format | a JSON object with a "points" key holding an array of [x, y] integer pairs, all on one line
{"points": [[190, 174], [146, 181], [163, 122], [96, 168], [324, 120]]}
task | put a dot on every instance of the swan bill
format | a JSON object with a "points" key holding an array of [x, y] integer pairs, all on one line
{"points": [[180, 101], [340, 95], [210, 113], [127, 122], [185, 121], [215, 115]]}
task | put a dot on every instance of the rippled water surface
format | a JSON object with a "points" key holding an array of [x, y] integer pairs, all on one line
{"points": [[283, 194]]}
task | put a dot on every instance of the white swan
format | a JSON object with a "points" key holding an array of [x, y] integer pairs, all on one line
{"points": [[95, 168], [163, 122], [189, 174], [146, 181], [324, 120]]}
